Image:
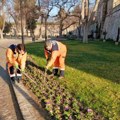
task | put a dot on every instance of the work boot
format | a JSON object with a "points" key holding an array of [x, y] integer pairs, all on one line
{"points": [[61, 74], [13, 79], [19, 78], [55, 72]]}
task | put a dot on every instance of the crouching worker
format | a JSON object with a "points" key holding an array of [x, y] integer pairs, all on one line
{"points": [[55, 53], [16, 60]]}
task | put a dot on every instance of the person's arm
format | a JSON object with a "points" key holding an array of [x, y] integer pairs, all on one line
{"points": [[23, 61], [9, 55], [46, 54], [53, 58]]}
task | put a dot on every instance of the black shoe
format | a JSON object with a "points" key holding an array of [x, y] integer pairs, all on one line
{"points": [[55, 72], [13, 79], [18, 79]]}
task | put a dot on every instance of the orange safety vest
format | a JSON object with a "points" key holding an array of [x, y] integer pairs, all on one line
{"points": [[13, 58], [58, 54]]}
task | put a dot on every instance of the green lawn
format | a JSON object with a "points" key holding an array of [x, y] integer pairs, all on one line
{"points": [[92, 74]]}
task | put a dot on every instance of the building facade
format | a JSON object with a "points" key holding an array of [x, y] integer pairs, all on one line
{"points": [[109, 18]]}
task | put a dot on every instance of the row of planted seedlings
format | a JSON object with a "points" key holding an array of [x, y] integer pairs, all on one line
{"points": [[59, 103]]}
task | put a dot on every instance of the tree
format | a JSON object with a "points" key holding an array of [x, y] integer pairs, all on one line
{"points": [[19, 10], [45, 7], [2, 18], [87, 17], [64, 14], [77, 17], [31, 21], [13, 11], [7, 27], [25, 5]]}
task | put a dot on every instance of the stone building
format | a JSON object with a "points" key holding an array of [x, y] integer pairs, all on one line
{"points": [[108, 17]]}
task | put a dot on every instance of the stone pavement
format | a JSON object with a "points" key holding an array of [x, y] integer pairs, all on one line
{"points": [[7, 110], [28, 106]]}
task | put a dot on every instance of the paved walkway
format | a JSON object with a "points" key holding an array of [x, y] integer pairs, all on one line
{"points": [[7, 110], [28, 106]]}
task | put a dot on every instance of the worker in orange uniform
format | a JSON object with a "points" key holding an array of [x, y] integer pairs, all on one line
{"points": [[16, 59], [55, 53]]}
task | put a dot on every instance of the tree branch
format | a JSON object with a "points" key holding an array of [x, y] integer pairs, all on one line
{"points": [[68, 26]]}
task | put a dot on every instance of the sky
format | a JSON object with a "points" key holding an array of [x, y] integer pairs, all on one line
{"points": [[55, 10]]}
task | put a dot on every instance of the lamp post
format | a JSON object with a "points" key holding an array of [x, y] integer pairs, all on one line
{"points": [[21, 12]]}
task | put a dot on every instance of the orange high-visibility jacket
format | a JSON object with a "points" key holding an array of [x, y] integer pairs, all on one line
{"points": [[15, 58], [58, 53]]}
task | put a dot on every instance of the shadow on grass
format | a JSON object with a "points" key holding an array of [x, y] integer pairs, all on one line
{"points": [[96, 58]]}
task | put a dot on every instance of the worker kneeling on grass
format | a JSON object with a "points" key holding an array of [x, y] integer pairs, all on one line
{"points": [[16, 60], [55, 53]]}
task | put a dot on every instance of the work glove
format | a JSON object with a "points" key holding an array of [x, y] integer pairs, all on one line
{"points": [[16, 66], [47, 60], [22, 70], [46, 67]]}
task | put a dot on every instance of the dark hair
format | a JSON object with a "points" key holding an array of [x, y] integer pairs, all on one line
{"points": [[21, 47]]}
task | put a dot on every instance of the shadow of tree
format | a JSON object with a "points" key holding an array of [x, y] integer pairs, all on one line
{"points": [[99, 59]]}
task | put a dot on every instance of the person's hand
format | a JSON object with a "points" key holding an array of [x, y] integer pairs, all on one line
{"points": [[46, 67], [16, 66], [22, 70], [47, 59]]}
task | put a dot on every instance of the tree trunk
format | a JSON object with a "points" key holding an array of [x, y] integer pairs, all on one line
{"points": [[85, 14], [33, 36], [17, 28], [1, 30], [60, 32], [79, 29], [3, 25], [45, 28], [1, 34], [85, 33], [21, 18], [40, 32], [27, 32], [60, 29], [79, 32]]}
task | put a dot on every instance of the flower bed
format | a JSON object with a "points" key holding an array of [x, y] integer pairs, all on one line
{"points": [[60, 104]]}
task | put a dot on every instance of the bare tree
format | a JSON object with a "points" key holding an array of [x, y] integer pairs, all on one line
{"points": [[14, 13], [20, 10], [45, 7], [65, 9], [87, 17], [77, 17]]}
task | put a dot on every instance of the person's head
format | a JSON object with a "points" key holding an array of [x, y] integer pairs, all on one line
{"points": [[20, 49], [48, 44]]}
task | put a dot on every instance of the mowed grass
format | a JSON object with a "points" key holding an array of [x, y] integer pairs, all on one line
{"points": [[92, 74]]}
